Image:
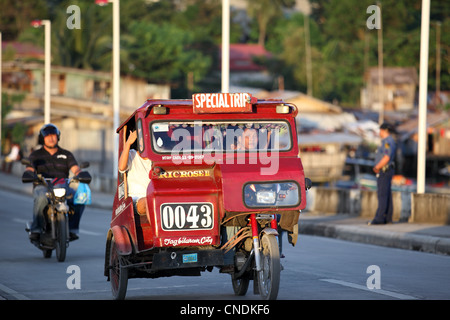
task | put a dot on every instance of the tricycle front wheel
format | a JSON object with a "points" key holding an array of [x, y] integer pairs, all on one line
{"points": [[269, 276], [118, 275]]}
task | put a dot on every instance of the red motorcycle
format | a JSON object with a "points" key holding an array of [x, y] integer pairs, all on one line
{"points": [[225, 178]]}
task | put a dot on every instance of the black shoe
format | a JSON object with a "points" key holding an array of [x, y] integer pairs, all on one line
{"points": [[34, 236], [375, 222], [73, 236]]}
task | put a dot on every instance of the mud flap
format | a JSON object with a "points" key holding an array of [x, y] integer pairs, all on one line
{"points": [[122, 240], [293, 236]]}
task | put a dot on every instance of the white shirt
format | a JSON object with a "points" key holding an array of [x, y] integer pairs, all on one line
{"points": [[138, 175], [14, 154]]}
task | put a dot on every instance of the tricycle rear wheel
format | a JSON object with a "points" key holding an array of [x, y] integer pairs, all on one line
{"points": [[118, 275], [240, 286]]}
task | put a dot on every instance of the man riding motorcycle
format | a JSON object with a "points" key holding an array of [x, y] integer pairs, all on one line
{"points": [[53, 162]]}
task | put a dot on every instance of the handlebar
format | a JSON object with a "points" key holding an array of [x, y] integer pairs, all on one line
{"points": [[31, 176]]}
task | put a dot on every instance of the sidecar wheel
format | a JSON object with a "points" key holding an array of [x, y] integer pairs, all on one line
{"points": [[117, 274], [269, 276]]}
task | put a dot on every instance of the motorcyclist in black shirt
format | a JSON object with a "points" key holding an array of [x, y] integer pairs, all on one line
{"points": [[52, 161]]}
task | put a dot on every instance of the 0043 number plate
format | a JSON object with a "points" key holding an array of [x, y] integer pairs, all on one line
{"points": [[187, 216]]}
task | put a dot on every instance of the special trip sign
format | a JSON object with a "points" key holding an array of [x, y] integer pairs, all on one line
{"points": [[222, 102]]}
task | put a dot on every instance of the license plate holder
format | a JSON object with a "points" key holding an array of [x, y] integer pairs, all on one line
{"points": [[190, 258]]}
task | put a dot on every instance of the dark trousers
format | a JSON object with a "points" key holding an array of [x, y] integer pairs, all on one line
{"points": [[384, 193]]}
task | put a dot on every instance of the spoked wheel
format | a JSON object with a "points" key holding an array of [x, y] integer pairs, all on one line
{"points": [[269, 276], [61, 238], [117, 274]]}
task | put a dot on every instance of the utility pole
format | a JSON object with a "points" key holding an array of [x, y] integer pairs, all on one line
{"points": [[380, 68], [1, 118], [47, 64], [438, 62], [423, 90], [116, 75], [225, 46], [116, 80], [308, 58]]}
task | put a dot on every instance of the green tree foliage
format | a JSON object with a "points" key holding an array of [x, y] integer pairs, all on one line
{"points": [[162, 53], [343, 47], [164, 41], [266, 11], [19, 129], [15, 16]]}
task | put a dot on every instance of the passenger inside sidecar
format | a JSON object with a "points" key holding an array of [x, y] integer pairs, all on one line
{"points": [[135, 169]]}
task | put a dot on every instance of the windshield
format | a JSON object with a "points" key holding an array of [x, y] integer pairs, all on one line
{"points": [[221, 136]]}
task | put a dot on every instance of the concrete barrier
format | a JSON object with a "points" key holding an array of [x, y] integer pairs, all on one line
{"points": [[408, 206], [428, 207]]}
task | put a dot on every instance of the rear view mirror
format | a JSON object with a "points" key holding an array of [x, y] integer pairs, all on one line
{"points": [[84, 165], [308, 183], [84, 177], [25, 162]]}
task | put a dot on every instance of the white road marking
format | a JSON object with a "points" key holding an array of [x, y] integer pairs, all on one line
{"points": [[90, 233], [379, 291], [13, 293], [23, 221]]}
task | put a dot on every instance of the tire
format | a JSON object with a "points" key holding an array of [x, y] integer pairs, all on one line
{"points": [[61, 238], [117, 274], [269, 276], [240, 286]]}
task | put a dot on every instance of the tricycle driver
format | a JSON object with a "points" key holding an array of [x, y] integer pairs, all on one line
{"points": [[137, 170]]}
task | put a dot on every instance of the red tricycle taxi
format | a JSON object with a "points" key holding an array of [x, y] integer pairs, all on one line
{"points": [[225, 179]]}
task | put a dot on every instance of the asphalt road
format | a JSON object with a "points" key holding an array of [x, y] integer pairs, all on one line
{"points": [[317, 268]]}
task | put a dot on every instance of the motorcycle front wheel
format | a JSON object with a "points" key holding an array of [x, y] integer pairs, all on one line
{"points": [[269, 276], [117, 274], [61, 237]]}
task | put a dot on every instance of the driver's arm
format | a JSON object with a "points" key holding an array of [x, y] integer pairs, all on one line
{"points": [[75, 170], [123, 160]]}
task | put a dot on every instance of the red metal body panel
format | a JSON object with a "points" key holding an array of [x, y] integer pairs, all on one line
{"points": [[185, 191]]}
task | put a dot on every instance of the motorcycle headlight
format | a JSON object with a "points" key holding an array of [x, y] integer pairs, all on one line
{"points": [[277, 194], [59, 192]]}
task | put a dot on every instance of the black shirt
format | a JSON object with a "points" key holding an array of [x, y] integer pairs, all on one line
{"points": [[52, 166]]}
